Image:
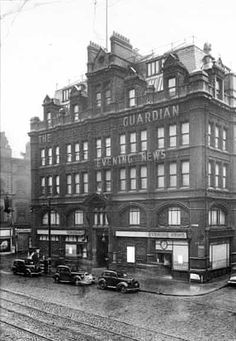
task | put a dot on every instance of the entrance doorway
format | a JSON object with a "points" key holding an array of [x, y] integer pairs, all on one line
{"points": [[102, 250], [165, 259]]}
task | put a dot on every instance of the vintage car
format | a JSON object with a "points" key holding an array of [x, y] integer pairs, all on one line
{"points": [[117, 280], [25, 267], [232, 278], [79, 277]]}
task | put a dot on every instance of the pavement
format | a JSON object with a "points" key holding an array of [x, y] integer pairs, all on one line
{"points": [[160, 285]]}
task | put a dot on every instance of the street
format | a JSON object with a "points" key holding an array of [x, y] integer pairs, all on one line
{"points": [[39, 309]]}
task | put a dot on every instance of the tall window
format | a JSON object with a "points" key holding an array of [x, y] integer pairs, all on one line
{"points": [[50, 156], [134, 216], [77, 183], [79, 217], [216, 216], [224, 176], [174, 216], [173, 174], [153, 68], [108, 97], [122, 144], [143, 177], [131, 95], [76, 112], [133, 179], [219, 87], [69, 184], [185, 173], [108, 181], [160, 138], [160, 176], [143, 138], [210, 174], [185, 134], [108, 146], [57, 152], [172, 136], [210, 134], [217, 175], [224, 139], [43, 160], [133, 143], [100, 218], [98, 148], [85, 150], [98, 99], [49, 120], [68, 153], [50, 185], [65, 95], [217, 137], [55, 218], [57, 183], [122, 179], [98, 181], [172, 86], [43, 188], [77, 152], [85, 182]]}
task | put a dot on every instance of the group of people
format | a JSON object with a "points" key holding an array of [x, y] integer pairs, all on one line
{"points": [[41, 261]]}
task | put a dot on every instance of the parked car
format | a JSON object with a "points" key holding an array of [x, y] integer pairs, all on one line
{"points": [[65, 274], [232, 278], [117, 280], [25, 267]]}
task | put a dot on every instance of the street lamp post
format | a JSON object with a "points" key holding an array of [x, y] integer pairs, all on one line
{"points": [[49, 229]]}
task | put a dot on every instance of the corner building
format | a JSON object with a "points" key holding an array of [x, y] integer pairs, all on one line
{"points": [[139, 163]]}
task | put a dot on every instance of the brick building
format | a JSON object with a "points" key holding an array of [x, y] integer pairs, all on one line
{"points": [[138, 163]]}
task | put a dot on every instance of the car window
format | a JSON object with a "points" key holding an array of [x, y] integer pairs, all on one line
{"points": [[122, 274]]}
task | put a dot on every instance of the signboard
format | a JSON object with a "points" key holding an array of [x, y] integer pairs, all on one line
{"points": [[5, 245], [62, 232], [170, 235]]}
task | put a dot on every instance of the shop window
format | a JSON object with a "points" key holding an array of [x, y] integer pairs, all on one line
{"points": [[185, 134], [219, 255], [85, 150], [131, 95], [180, 256], [68, 153], [122, 179], [173, 174], [160, 176], [143, 177], [130, 254], [71, 250], [160, 138], [185, 173], [134, 216], [133, 142], [172, 86], [77, 183], [57, 152], [77, 152], [79, 217], [43, 159], [98, 148], [216, 216], [172, 136], [122, 144], [174, 216]]}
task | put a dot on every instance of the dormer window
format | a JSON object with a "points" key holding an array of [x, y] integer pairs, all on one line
{"points": [[131, 95], [172, 86], [153, 68]]}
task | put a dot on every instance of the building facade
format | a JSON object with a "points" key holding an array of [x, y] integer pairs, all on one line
{"points": [[136, 166]]}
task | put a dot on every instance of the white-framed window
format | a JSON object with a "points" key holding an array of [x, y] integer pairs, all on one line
{"points": [[122, 186], [185, 173], [76, 112], [43, 186], [217, 137], [172, 86], [185, 134], [57, 183], [172, 174], [210, 134], [107, 146], [68, 153], [107, 97], [153, 68], [69, 184], [85, 150], [143, 177], [98, 181], [43, 159], [134, 216], [224, 139], [100, 218], [160, 175], [79, 217], [130, 254], [50, 185], [65, 95], [71, 250], [216, 216], [50, 156], [160, 138], [108, 181], [57, 152], [98, 148], [122, 144], [133, 142], [133, 178], [143, 140], [217, 175], [224, 176], [55, 218], [49, 120], [77, 152], [98, 99], [77, 183], [172, 135], [210, 174], [174, 216], [85, 182], [131, 95]]}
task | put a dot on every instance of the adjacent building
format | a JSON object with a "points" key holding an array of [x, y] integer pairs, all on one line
{"points": [[135, 167]]}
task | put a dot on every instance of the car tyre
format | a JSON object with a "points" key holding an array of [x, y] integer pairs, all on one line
{"points": [[28, 273], [102, 285], [56, 279], [77, 281], [123, 289]]}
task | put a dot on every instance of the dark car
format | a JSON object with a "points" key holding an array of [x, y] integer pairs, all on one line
{"points": [[65, 274], [25, 267], [118, 280], [232, 278]]}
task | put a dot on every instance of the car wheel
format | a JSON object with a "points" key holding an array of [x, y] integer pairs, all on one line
{"points": [[102, 285], [123, 289], [77, 281], [28, 273], [56, 279], [14, 272]]}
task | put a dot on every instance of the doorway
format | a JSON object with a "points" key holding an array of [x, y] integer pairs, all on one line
{"points": [[102, 250]]}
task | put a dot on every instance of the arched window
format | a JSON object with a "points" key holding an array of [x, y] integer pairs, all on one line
{"points": [[216, 216], [55, 218], [173, 215]]}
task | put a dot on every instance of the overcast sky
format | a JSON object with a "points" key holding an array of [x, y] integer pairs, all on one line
{"points": [[44, 44]]}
